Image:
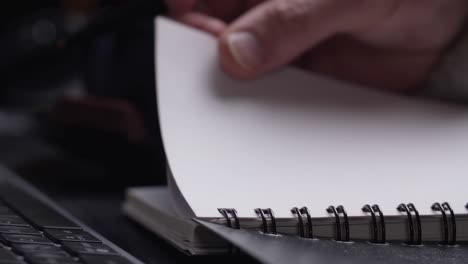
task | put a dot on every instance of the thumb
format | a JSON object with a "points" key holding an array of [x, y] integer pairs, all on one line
{"points": [[276, 32]]}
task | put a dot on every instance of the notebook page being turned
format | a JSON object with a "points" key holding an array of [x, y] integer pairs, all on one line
{"points": [[293, 138]]}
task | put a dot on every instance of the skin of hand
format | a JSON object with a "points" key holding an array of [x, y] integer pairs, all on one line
{"points": [[386, 44]]}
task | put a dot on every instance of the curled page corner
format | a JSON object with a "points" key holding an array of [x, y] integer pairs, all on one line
{"points": [[294, 138]]}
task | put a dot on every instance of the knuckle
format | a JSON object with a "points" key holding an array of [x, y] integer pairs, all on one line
{"points": [[288, 15], [287, 10]]}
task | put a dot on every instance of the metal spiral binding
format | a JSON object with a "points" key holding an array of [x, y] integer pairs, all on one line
{"points": [[412, 208], [263, 214], [332, 210], [408, 209], [368, 209], [336, 212], [305, 211], [375, 233], [305, 228], [299, 213], [295, 211], [383, 238], [342, 211], [230, 214], [438, 207], [442, 208], [446, 207]]}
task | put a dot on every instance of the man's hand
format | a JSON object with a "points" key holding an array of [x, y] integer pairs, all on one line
{"points": [[388, 44]]}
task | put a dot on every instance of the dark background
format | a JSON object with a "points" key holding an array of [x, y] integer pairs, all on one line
{"points": [[77, 110], [82, 72]]}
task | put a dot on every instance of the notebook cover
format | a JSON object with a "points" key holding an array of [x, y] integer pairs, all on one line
{"points": [[282, 249]]}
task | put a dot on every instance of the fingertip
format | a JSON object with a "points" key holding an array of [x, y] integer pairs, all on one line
{"points": [[233, 63], [203, 22]]}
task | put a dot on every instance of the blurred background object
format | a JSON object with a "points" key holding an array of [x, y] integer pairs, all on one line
{"points": [[77, 79], [78, 111]]}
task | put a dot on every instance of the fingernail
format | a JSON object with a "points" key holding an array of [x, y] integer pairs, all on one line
{"points": [[245, 49]]}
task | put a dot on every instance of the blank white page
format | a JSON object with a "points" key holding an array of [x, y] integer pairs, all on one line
{"points": [[297, 139]]}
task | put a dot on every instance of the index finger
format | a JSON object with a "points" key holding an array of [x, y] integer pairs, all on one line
{"points": [[180, 6]]}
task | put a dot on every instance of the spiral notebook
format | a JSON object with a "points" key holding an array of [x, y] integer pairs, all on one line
{"points": [[298, 154]]}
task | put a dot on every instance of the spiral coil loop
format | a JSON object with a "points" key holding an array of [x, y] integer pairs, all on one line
{"points": [[336, 213], [264, 214], [340, 209], [383, 238], [332, 210], [447, 207], [299, 213], [408, 208], [438, 207], [230, 214], [305, 211], [404, 208], [368, 209], [442, 209], [412, 208], [300, 223]]}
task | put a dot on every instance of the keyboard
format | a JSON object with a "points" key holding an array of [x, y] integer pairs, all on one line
{"points": [[33, 232]]}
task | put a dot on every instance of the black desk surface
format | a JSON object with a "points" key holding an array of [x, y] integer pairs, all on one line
{"points": [[101, 211], [87, 175]]}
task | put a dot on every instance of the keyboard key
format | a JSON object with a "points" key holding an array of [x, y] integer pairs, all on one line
{"points": [[30, 227], [14, 261], [19, 230], [83, 248], [50, 260], [17, 261], [51, 256], [6, 256], [25, 239], [36, 212], [12, 220], [25, 249], [11, 261], [4, 210], [40, 253], [71, 235], [99, 259]]}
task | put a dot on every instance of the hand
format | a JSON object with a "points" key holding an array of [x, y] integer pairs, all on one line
{"points": [[388, 44]]}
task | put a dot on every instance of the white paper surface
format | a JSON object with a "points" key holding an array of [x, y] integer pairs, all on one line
{"points": [[296, 139]]}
